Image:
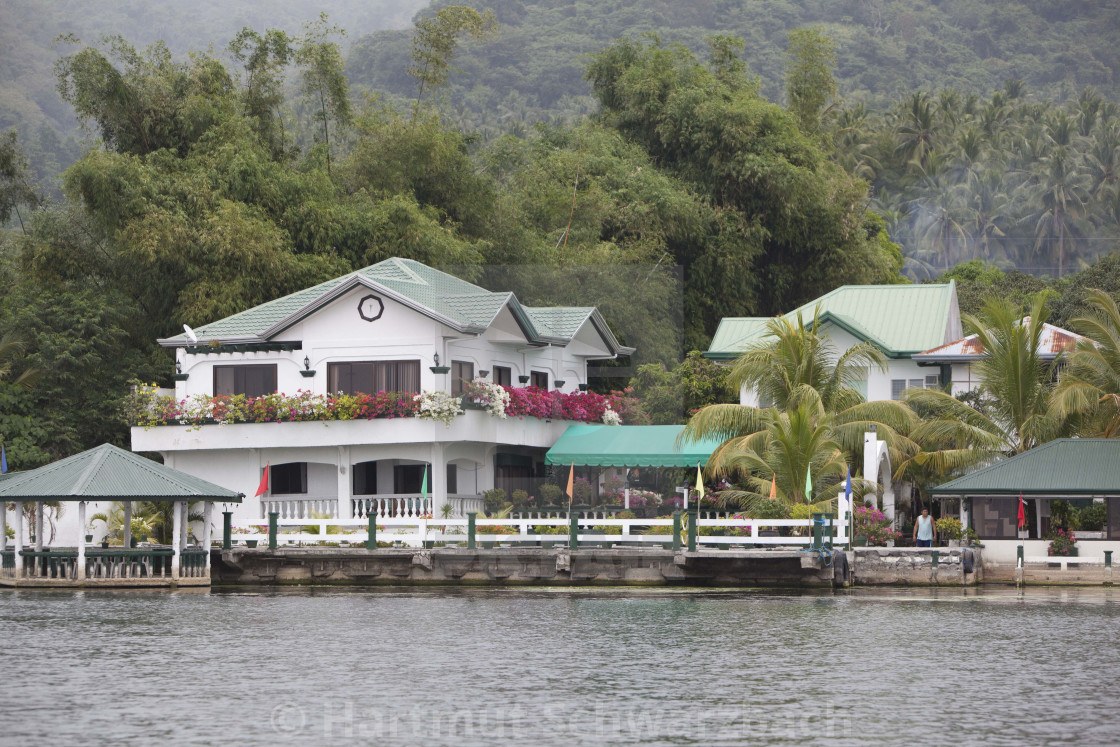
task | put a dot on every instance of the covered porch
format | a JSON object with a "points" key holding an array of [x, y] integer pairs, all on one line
{"points": [[105, 474]]}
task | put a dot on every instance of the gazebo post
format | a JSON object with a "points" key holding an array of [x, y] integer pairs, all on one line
{"points": [[176, 534], [38, 526], [81, 575], [19, 540], [185, 525], [126, 528], [207, 517]]}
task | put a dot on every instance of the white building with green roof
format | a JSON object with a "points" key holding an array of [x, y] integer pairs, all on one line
{"points": [[902, 321], [399, 327]]}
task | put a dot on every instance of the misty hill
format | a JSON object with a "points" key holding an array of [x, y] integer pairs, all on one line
{"points": [[885, 48]]}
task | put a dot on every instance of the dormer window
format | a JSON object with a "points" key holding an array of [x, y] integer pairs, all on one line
{"points": [[254, 380], [371, 377]]}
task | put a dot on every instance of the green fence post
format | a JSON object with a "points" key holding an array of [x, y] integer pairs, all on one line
{"points": [[573, 530], [371, 536], [676, 531], [693, 517], [272, 519], [815, 519], [1019, 556], [935, 558], [470, 529], [1108, 558], [227, 530]]}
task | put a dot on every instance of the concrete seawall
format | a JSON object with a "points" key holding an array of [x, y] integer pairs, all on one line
{"points": [[561, 567]]}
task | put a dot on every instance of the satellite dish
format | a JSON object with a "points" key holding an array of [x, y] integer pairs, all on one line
{"points": [[190, 333]]}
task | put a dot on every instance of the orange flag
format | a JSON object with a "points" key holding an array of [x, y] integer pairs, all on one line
{"points": [[263, 487], [571, 482], [773, 487]]}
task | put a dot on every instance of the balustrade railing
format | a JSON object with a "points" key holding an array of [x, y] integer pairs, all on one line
{"points": [[105, 563], [300, 508]]}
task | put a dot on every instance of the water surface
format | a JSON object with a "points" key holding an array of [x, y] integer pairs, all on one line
{"points": [[559, 666]]}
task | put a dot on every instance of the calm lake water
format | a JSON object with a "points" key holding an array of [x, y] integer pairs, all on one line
{"points": [[516, 667]]}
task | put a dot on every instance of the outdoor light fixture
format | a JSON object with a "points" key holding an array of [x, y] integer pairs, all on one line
{"points": [[306, 363], [178, 367], [436, 358]]}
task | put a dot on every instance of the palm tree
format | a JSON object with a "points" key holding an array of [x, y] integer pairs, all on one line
{"points": [[10, 346], [817, 415], [1062, 198], [915, 130], [1090, 383], [1013, 375]]}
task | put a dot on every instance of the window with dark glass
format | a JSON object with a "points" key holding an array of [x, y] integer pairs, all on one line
{"points": [[251, 380], [452, 479], [1113, 526], [996, 518], [407, 478], [539, 379], [286, 479], [462, 374], [503, 375], [371, 377], [365, 478]]}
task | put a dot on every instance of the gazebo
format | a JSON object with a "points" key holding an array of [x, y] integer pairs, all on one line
{"points": [[107, 473]]}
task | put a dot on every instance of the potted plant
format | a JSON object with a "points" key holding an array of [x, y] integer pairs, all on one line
{"points": [[950, 529]]}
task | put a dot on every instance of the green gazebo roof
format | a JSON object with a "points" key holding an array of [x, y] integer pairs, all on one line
{"points": [[1065, 466], [107, 472]]}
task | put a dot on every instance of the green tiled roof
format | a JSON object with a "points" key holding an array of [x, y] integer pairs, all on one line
{"points": [[444, 296], [110, 473], [1065, 466], [900, 319]]}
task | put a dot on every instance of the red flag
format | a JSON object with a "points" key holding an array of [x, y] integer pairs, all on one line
{"points": [[1022, 513], [263, 487]]}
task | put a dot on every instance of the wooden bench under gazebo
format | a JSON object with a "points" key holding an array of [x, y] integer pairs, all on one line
{"points": [[103, 474]]}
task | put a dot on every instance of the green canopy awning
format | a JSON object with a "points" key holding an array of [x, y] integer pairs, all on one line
{"points": [[628, 446], [110, 473]]}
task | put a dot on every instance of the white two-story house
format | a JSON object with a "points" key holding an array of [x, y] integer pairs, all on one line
{"points": [[396, 326], [902, 321]]}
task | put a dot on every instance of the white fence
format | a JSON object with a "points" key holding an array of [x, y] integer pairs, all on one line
{"points": [[402, 505], [415, 532]]}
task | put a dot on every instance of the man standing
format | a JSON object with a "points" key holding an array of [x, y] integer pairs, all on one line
{"points": [[924, 530]]}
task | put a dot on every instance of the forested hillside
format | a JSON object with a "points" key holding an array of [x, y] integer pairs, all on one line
{"points": [[884, 48], [29, 49]]}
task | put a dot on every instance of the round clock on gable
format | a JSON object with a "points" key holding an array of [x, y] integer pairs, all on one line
{"points": [[370, 308]]}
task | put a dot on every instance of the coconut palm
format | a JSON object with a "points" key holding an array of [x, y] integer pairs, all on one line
{"points": [[1090, 383], [1017, 381], [816, 420]]}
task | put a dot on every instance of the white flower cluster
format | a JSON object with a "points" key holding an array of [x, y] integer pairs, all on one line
{"points": [[610, 417], [438, 406], [492, 396]]}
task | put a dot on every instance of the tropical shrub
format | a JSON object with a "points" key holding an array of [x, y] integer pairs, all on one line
{"points": [[872, 523], [1062, 542], [582, 490], [1092, 518], [949, 527], [494, 499], [551, 495]]}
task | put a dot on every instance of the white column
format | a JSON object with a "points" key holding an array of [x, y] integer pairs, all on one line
{"points": [[439, 479], [184, 525], [19, 539], [176, 534], [626, 498], [345, 484], [126, 530], [39, 526], [81, 541], [207, 531]]}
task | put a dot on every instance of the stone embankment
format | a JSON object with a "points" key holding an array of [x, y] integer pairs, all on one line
{"points": [[619, 566]]}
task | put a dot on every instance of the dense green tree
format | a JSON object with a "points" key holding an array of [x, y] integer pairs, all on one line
{"points": [[810, 85], [436, 39]]}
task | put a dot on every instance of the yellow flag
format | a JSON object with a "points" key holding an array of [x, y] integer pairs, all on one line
{"points": [[773, 487], [699, 482], [571, 482]]}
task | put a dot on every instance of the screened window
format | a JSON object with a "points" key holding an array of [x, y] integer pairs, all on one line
{"points": [[1113, 518], [539, 379], [288, 479], [251, 380], [898, 386], [503, 375], [370, 377], [996, 518], [462, 374], [933, 382]]}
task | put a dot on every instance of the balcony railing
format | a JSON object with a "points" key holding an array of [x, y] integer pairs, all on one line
{"points": [[389, 505], [105, 563]]}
